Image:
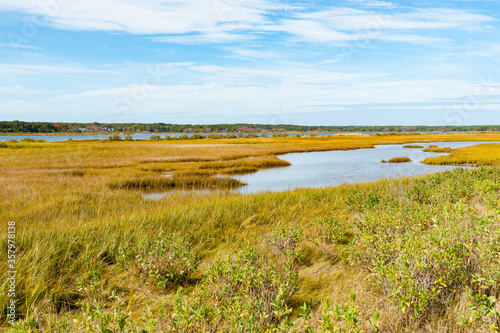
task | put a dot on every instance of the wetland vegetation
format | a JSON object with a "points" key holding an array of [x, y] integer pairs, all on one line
{"points": [[407, 255]]}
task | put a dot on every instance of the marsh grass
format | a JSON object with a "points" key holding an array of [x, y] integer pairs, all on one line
{"points": [[413, 146], [485, 154], [438, 150], [73, 229], [182, 182], [399, 160]]}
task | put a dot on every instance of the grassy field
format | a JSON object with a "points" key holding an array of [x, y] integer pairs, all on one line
{"points": [[487, 154], [391, 256]]}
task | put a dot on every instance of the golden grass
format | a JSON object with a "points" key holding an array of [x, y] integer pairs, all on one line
{"points": [[69, 218], [399, 160], [485, 154], [413, 146], [438, 150]]}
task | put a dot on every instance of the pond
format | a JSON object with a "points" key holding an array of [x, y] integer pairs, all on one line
{"points": [[333, 168]]}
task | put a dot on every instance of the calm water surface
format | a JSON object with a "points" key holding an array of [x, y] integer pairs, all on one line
{"points": [[333, 168], [140, 136]]}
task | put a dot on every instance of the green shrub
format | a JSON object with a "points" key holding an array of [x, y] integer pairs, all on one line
{"points": [[243, 292], [168, 260], [426, 250], [114, 137], [155, 138]]}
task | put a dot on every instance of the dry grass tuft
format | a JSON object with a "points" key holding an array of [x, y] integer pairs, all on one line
{"points": [[399, 160]]}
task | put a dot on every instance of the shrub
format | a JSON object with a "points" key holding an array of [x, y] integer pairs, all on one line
{"points": [[249, 291], [168, 260], [424, 252], [197, 137], [114, 137], [128, 137], [32, 140], [3, 145], [155, 138]]}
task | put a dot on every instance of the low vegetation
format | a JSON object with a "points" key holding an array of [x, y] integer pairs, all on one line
{"points": [[399, 160], [486, 154], [413, 146], [406, 255], [438, 150]]}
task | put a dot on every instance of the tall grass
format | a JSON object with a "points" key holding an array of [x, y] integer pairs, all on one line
{"points": [[94, 257]]}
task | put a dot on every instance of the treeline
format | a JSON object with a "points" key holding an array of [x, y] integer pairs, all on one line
{"points": [[46, 127]]}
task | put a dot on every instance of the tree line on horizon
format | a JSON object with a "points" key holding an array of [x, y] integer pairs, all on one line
{"points": [[48, 127]]}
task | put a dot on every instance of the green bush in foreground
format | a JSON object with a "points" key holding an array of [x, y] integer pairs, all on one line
{"points": [[245, 292], [428, 248], [169, 260]]}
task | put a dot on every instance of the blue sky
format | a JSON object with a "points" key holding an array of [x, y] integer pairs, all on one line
{"points": [[350, 62]]}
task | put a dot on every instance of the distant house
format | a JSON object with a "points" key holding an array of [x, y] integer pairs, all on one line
{"points": [[82, 130], [188, 130]]}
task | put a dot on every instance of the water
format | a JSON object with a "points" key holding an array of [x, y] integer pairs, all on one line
{"points": [[140, 136], [333, 168]]}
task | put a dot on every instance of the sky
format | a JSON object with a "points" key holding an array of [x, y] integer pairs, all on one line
{"points": [[346, 62]]}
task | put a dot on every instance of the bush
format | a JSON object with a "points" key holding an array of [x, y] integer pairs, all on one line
{"points": [[196, 137], [128, 137], [3, 145], [426, 250], [114, 137], [155, 138], [245, 292], [32, 140], [169, 260]]}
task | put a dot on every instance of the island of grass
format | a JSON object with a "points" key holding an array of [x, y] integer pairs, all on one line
{"points": [[484, 154], [435, 149], [392, 256], [399, 160], [413, 146]]}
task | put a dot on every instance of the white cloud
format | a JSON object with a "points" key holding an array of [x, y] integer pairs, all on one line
{"points": [[230, 21]]}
